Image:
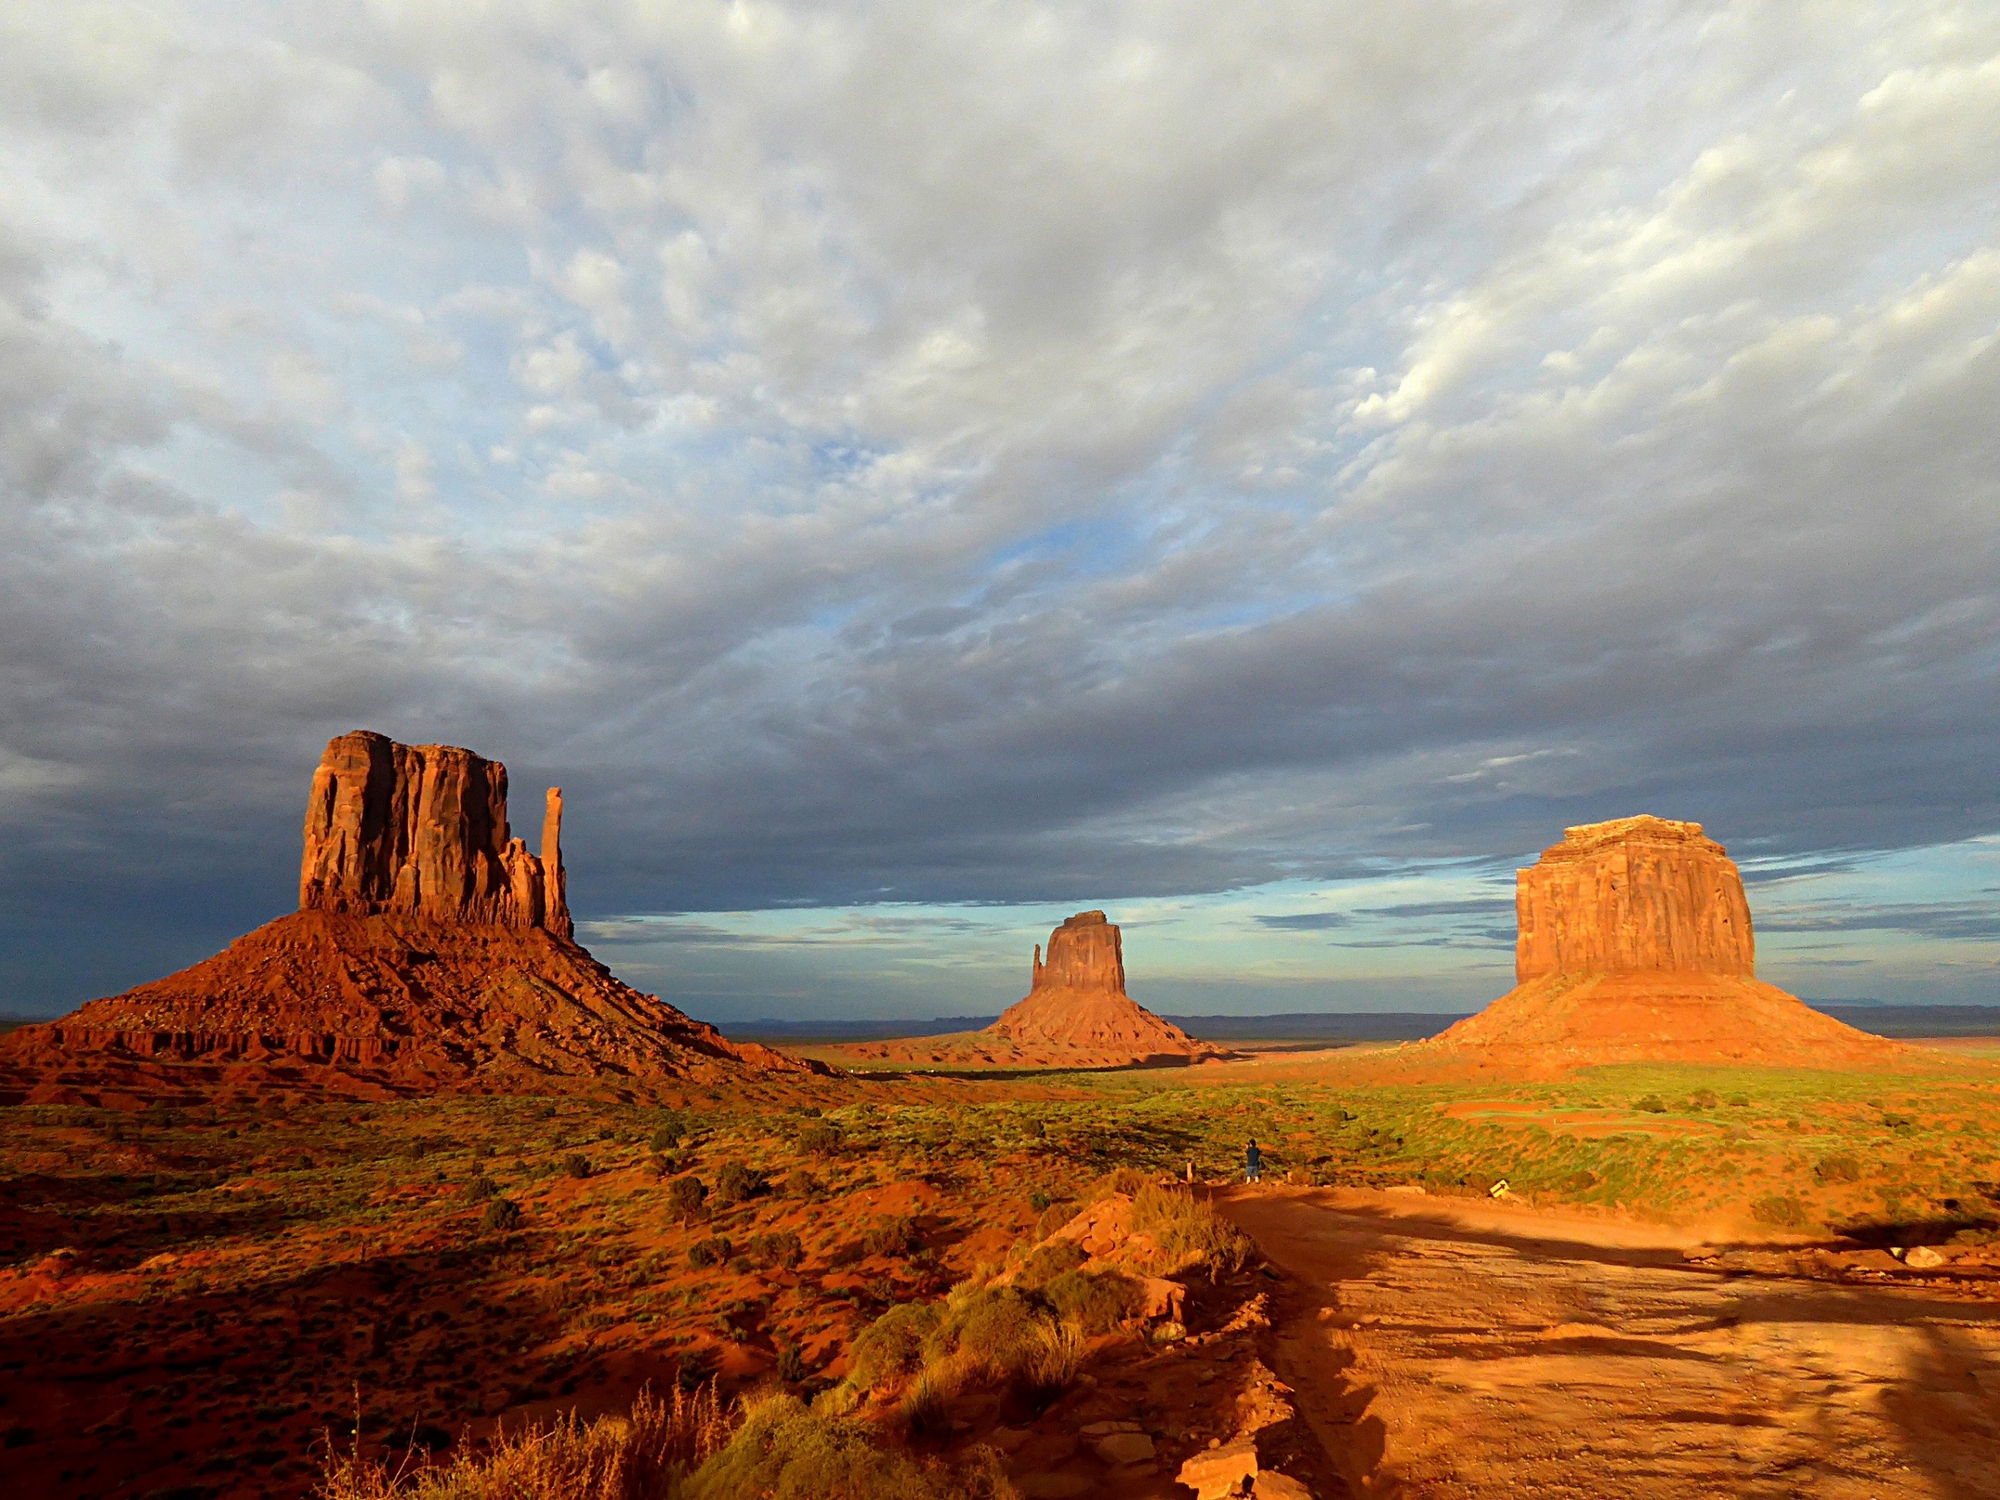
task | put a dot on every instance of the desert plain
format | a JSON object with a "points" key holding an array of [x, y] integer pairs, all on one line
{"points": [[405, 1194]]}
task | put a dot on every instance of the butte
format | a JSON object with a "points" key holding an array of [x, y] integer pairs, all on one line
{"points": [[431, 953], [1077, 1011], [1635, 945]]}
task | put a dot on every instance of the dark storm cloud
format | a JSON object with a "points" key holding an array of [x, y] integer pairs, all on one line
{"points": [[993, 466]]}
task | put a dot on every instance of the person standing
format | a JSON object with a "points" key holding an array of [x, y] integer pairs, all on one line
{"points": [[1253, 1163]]}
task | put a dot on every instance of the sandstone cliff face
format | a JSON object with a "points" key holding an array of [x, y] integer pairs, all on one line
{"points": [[1632, 896], [1085, 953], [421, 831], [1077, 1011]]}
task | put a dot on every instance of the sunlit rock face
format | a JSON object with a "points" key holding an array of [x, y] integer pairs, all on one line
{"points": [[1632, 896], [421, 831], [1085, 953]]}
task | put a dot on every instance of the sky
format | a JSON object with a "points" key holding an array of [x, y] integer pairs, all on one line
{"points": [[911, 472]]}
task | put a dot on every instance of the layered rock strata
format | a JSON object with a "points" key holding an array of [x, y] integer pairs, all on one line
{"points": [[421, 831], [431, 953], [1632, 896], [1076, 1003], [1635, 945]]}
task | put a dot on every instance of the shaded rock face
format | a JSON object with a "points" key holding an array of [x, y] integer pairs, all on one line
{"points": [[1636, 895], [421, 831], [1085, 953]]}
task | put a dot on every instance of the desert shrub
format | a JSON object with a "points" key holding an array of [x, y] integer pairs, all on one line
{"points": [[803, 1184], [501, 1214], [612, 1458], [892, 1345], [1050, 1359], [1094, 1303], [1901, 1124], [1652, 1104], [1050, 1261], [1039, 1200], [1579, 1181], [1739, 1101], [742, 1265], [792, 1364], [927, 1402], [785, 1450], [1188, 1231], [1838, 1168], [736, 1183], [1703, 1099], [1126, 1180], [1052, 1218], [1779, 1209], [820, 1139], [576, 1165], [478, 1190], [779, 1248], [685, 1196], [986, 1326], [668, 1136], [710, 1252], [895, 1239]]}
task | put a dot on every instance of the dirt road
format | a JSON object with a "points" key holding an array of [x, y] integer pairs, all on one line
{"points": [[1441, 1347]]}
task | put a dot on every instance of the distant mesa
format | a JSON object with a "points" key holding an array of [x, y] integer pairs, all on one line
{"points": [[1077, 1003], [1076, 1015], [431, 952], [1635, 945]]}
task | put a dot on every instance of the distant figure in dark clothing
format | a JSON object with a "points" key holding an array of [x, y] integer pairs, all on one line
{"points": [[1253, 1163]]}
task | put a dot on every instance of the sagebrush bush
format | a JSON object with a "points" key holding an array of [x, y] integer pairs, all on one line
{"points": [[893, 1345], [822, 1139], [785, 1450], [685, 1197], [501, 1214], [710, 1252], [1050, 1261], [987, 1326], [1840, 1167], [780, 1248], [576, 1165], [1188, 1231], [1780, 1210], [478, 1190], [736, 1183], [1095, 1303], [895, 1239], [1652, 1104]]}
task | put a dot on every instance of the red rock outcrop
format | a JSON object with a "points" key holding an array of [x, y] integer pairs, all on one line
{"points": [[1635, 945], [431, 953], [421, 831], [1077, 1005], [1632, 896]]}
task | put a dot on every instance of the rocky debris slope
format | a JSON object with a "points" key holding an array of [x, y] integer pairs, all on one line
{"points": [[1635, 945], [1077, 1004], [431, 953]]}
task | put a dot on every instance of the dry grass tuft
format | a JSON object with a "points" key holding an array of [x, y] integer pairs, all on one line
{"points": [[642, 1456], [1188, 1231]]}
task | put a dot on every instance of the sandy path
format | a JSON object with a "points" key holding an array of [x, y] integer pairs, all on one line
{"points": [[1448, 1348]]}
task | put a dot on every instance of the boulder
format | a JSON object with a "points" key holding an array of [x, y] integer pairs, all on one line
{"points": [[1222, 1470]]}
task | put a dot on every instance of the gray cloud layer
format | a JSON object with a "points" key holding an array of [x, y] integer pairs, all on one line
{"points": [[975, 453]]}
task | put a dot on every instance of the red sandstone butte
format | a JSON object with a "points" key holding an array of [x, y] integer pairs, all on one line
{"points": [[1077, 1004], [1635, 945], [431, 952]]}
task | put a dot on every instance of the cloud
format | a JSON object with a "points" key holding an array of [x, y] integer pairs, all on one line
{"points": [[911, 454], [1306, 921]]}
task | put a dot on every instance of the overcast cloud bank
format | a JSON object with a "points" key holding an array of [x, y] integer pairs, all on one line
{"points": [[974, 456]]}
